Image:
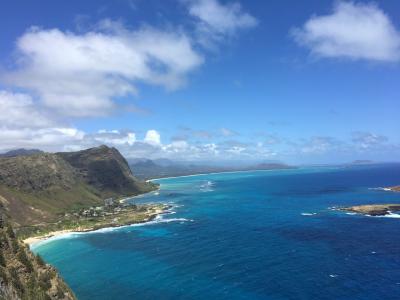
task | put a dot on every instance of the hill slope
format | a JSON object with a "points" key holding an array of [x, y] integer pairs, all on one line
{"points": [[106, 170], [39, 187], [20, 152], [24, 275]]}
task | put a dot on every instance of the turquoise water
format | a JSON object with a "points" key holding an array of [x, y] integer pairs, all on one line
{"points": [[251, 235]]}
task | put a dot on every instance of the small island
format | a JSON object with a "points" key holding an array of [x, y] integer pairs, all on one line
{"points": [[113, 214], [393, 188], [373, 209]]}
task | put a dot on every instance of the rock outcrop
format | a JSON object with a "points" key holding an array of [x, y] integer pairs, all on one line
{"points": [[374, 209], [23, 275]]}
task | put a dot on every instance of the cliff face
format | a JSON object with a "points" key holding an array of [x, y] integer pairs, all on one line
{"points": [[39, 187], [106, 170], [36, 172], [24, 275]]}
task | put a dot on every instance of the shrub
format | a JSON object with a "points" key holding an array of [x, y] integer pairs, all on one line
{"points": [[3, 275], [16, 282], [14, 245], [31, 288], [23, 258], [44, 281], [10, 232], [32, 282], [40, 261], [3, 240], [3, 262], [60, 292]]}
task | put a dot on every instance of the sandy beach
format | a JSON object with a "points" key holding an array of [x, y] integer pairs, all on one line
{"points": [[33, 240]]}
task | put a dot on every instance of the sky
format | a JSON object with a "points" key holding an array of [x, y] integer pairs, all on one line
{"points": [[203, 80]]}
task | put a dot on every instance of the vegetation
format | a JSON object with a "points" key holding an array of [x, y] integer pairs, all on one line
{"points": [[96, 218], [39, 188], [24, 276]]}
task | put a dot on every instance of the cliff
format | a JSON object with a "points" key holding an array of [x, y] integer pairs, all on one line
{"points": [[23, 275]]}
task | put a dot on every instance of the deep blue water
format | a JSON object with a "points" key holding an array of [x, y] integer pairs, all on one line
{"points": [[246, 236]]}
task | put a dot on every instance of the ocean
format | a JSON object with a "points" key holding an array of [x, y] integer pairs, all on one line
{"points": [[246, 235]]}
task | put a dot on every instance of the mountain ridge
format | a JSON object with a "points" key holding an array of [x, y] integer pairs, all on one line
{"points": [[20, 152], [38, 187], [158, 168]]}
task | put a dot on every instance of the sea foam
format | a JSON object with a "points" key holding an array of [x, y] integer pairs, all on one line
{"points": [[157, 220], [390, 215]]}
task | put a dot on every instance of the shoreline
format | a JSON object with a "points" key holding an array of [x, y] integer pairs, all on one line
{"points": [[35, 240], [222, 172], [373, 210], [123, 200]]}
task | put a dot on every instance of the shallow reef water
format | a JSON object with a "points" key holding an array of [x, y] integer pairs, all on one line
{"points": [[246, 235]]}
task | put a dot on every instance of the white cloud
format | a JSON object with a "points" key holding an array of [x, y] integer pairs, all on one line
{"points": [[354, 31], [319, 145], [152, 137], [25, 124], [368, 140], [236, 150], [80, 74], [19, 110], [108, 131], [114, 137], [52, 139], [179, 145], [217, 20]]}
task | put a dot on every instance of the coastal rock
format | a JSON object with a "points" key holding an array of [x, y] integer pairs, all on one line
{"points": [[393, 188], [373, 209]]}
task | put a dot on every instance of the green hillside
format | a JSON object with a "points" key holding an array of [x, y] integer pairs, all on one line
{"points": [[40, 187]]}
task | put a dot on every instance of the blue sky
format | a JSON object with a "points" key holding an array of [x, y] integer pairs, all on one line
{"points": [[207, 80]]}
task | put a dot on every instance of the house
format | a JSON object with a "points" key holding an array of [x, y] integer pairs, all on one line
{"points": [[108, 202]]}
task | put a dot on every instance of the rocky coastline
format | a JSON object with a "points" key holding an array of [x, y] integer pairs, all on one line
{"points": [[373, 209]]}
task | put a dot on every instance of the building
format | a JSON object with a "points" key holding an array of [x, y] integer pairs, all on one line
{"points": [[108, 202]]}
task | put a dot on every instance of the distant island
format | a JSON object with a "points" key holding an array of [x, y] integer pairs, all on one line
{"points": [[160, 168], [393, 188], [374, 209]]}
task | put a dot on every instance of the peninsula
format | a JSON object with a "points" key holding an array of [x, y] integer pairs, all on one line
{"points": [[116, 214]]}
